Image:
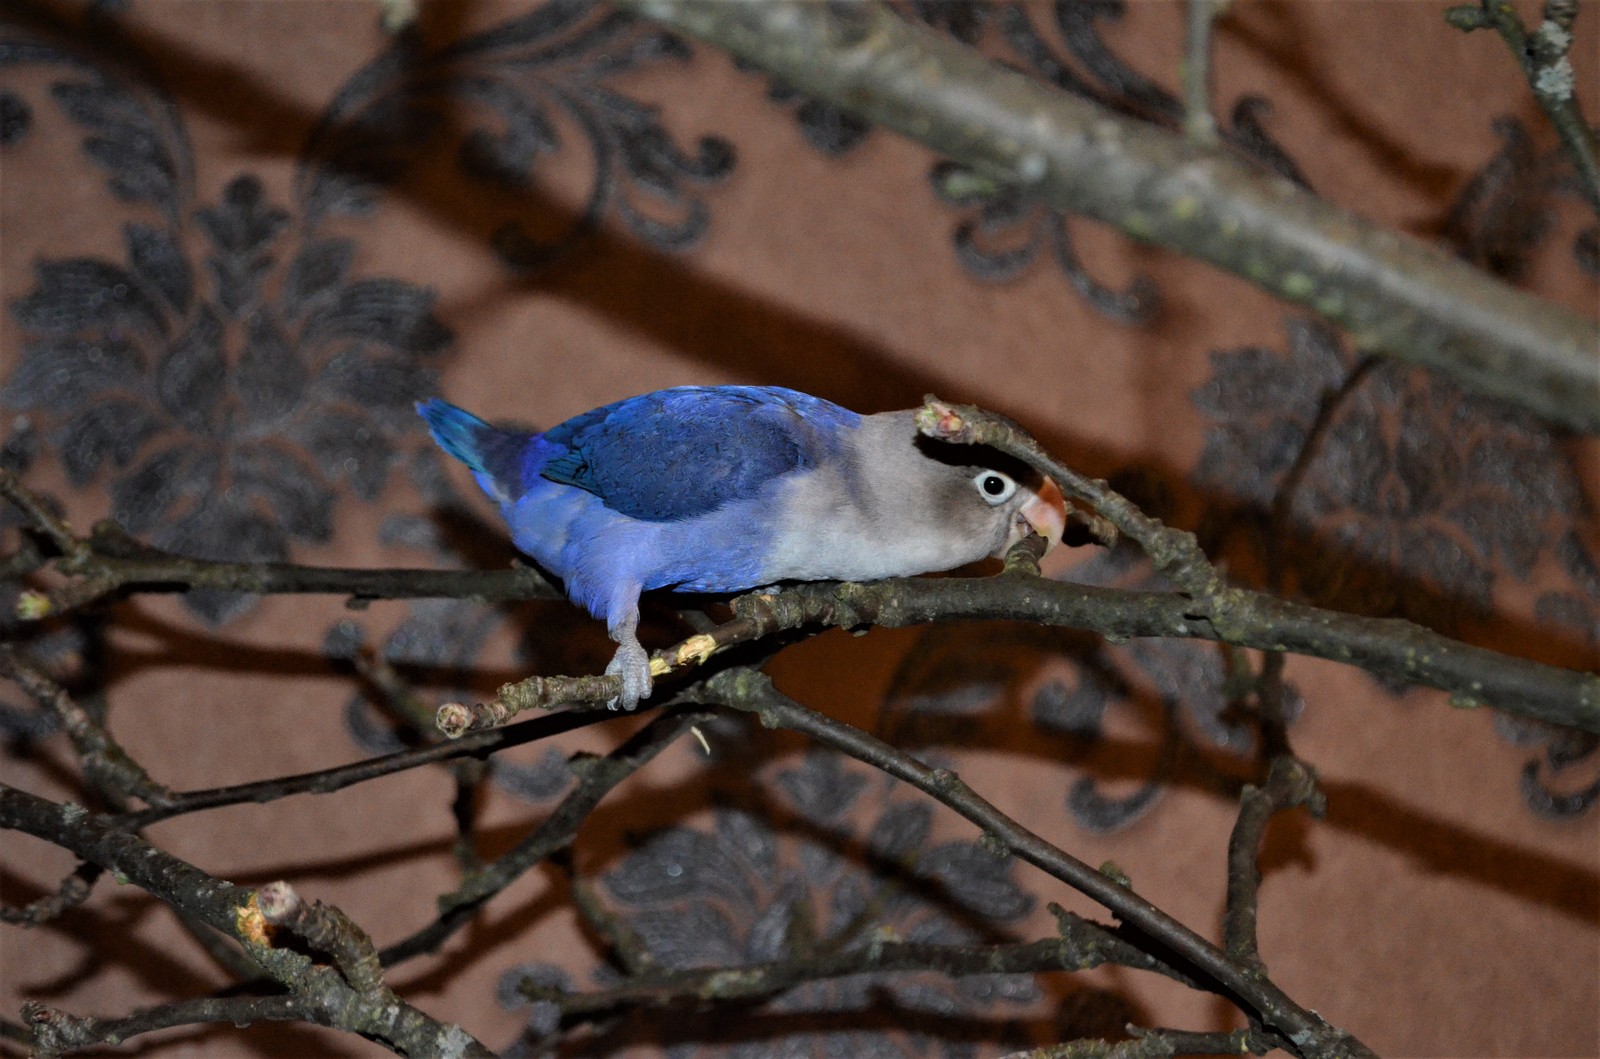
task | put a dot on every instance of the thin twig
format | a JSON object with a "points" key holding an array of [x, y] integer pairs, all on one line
{"points": [[1239, 1042], [402, 698], [326, 781], [108, 561], [105, 763], [1176, 553], [760, 981], [57, 1032], [1156, 1044], [1289, 783], [1199, 124], [596, 777], [40, 517], [752, 692], [73, 891], [1544, 61]]}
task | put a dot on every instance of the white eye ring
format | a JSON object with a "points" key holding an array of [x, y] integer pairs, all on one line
{"points": [[994, 487]]}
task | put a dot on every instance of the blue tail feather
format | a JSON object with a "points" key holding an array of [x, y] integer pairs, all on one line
{"points": [[458, 432], [499, 458]]}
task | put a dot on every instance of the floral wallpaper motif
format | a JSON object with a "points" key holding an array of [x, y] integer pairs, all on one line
{"points": [[858, 863], [1396, 494], [1505, 211], [232, 373], [526, 85], [229, 376], [1400, 504]]}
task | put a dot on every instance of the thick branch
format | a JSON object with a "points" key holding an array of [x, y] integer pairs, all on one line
{"points": [[1391, 647], [1394, 294]]}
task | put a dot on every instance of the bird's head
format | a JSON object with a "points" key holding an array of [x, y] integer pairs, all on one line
{"points": [[955, 504], [994, 500], [889, 502]]}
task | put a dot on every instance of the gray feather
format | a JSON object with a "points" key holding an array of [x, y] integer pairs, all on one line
{"points": [[891, 505]]}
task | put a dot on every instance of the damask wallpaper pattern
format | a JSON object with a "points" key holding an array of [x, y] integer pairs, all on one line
{"points": [[241, 239]]}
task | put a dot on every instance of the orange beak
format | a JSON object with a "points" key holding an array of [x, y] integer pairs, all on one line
{"points": [[1045, 514]]}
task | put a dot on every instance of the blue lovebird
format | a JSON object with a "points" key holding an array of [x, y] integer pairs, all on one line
{"points": [[727, 488]]}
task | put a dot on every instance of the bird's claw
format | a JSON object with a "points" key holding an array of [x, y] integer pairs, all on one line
{"points": [[632, 664]]}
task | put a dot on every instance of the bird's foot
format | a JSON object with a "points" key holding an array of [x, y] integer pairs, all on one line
{"points": [[632, 664]]}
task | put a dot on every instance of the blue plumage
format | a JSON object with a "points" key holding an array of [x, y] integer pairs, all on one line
{"points": [[680, 453], [723, 488], [494, 454]]}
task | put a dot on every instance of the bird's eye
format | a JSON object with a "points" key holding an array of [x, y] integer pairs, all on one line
{"points": [[994, 487]]}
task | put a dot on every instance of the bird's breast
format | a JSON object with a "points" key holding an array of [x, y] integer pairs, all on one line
{"points": [[828, 531]]}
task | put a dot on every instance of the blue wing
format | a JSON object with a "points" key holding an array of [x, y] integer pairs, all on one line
{"points": [[679, 453]]}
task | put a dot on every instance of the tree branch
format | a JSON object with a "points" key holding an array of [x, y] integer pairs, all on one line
{"points": [[233, 910], [1238, 616], [1086, 946], [57, 1032], [1393, 293], [1157, 1044], [107, 765], [109, 561], [1391, 647], [1198, 122], [596, 778], [325, 781], [752, 692], [1213, 610], [73, 891], [1289, 783], [1544, 61], [325, 929]]}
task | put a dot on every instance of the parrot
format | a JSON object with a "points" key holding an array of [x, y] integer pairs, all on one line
{"points": [[732, 488]]}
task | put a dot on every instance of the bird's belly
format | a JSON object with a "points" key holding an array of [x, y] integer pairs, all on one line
{"points": [[846, 553]]}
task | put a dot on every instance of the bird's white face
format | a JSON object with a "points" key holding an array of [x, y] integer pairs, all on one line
{"points": [[900, 504], [988, 507]]}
